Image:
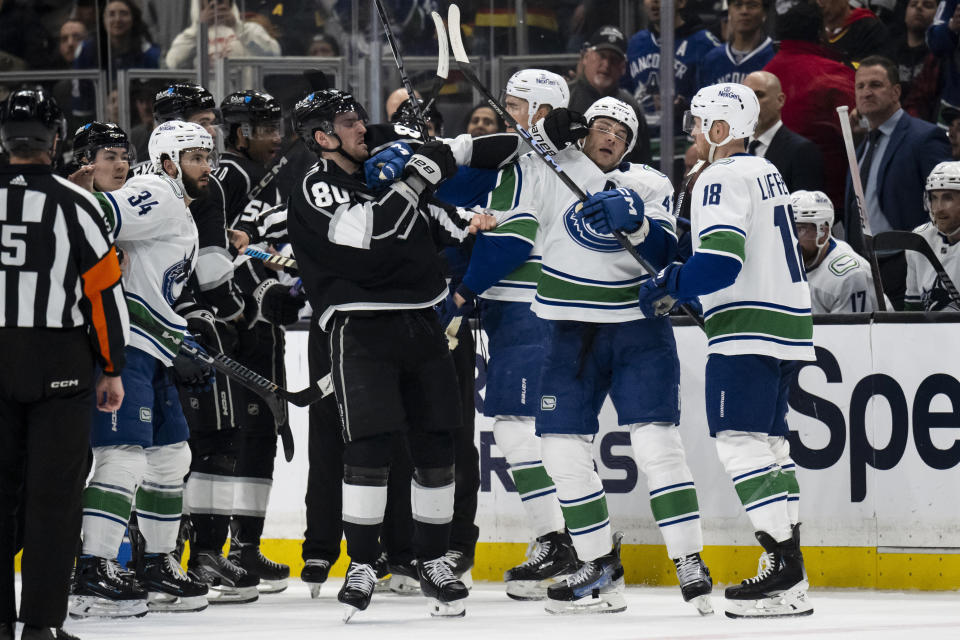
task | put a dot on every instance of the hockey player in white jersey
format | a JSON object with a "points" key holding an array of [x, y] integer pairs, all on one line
{"points": [[504, 270], [140, 451], [942, 233], [747, 271], [600, 343], [839, 278]]}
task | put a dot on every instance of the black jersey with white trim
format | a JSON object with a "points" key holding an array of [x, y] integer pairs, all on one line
{"points": [[360, 251]]}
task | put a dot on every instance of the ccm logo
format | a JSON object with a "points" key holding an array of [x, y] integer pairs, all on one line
{"points": [[64, 384]]}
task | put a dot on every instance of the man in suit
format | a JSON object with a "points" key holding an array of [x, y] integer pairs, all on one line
{"points": [[896, 157], [797, 159]]}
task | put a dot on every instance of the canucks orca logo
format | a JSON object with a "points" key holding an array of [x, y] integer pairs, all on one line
{"points": [[585, 236], [175, 276]]}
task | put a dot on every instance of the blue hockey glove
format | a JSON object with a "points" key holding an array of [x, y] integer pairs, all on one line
{"points": [[189, 372], [614, 210], [658, 295], [385, 167]]}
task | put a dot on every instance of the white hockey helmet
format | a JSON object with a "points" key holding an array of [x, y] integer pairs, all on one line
{"points": [[813, 207], [945, 175], [735, 104], [538, 87], [173, 138], [619, 111]]}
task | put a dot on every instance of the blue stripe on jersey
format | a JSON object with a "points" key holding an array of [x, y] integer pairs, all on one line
{"points": [[146, 336], [609, 283], [789, 343], [154, 312], [587, 305], [755, 303], [723, 227], [116, 211]]}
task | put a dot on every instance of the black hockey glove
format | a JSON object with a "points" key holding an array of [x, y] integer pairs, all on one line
{"points": [[430, 166], [189, 373], [558, 129], [278, 303]]}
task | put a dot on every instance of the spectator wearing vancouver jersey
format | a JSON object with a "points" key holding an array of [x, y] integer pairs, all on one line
{"points": [[748, 47], [853, 33], [944, 42]]}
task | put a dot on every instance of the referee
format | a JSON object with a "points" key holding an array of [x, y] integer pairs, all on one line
{"points": [[62, 313]]}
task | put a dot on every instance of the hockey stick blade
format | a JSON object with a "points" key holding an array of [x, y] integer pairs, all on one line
{"points": [[463, 62], [909, 241], [443, 60], [272, 258]]}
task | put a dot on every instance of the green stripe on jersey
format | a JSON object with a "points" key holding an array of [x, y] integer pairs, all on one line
{"points": [[761, 487], [141, 317], [530, 479], [113, 503], [557, 289], [109, 215], [523, 227], [724, 242], [583, 516], [669, 506], [501, 198], [528, 272], [760, 321]]}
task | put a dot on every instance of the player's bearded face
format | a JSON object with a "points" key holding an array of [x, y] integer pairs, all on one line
{"points": [[195, 165], [945, 208]]}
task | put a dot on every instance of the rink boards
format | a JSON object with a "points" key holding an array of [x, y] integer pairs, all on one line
{"points": [[875, 434]]}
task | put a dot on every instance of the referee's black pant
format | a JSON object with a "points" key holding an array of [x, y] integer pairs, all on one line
{"points": [[46, 400]]}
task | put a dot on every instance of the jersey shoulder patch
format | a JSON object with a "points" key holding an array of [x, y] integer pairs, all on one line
{"points": [[843, 264]]}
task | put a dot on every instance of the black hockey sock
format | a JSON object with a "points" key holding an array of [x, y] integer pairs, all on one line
{"points": [[247, 529], [209, 531], [430, 540]]}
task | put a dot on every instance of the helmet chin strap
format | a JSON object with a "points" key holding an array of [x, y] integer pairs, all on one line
{"points": [[340, 150], [714, 145]]}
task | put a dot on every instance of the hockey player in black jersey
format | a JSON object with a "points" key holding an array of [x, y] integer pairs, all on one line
{"points": [[235, 436], [370, 268], [185, 101]]}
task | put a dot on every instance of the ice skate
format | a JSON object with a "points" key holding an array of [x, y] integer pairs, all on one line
{"points": [[461, 564], [314, 574], [103, 589], [779, 589], [357, 589], [597, 587], [227, 582], [695, 582], [444, 591], [402, 579], [44, 633], [383, 574], [168, 586], [274, 576], [550, 559]]}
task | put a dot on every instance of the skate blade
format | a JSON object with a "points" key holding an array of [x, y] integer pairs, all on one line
{"points": [[267, 587], [610, 602], [314, 588], [382, 586], [348, 612], [93, 607], [527, 590], [792, 603], [164, 602], [403, 586], [232, 595], [455, 609], [703, 604]]}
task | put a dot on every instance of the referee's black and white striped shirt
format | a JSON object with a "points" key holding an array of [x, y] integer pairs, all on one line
{"points": [[58, 268]]}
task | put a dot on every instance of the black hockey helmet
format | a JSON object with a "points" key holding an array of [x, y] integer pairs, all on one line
{"points": [[248, 109], [317, 111], [97, 135], [30, 120], [180, 100], [406, 116]]}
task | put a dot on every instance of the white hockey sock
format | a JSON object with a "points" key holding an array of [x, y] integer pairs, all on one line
{"points": [[160, 496], [758, 480], [108, 498], [209, 494], [432, 505], [569, 461], [517, 439], [781, 449], [251, 496], [364, 504], [659, 452]]}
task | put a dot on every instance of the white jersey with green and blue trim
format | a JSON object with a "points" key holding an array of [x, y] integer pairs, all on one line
{"points": [[925, 291], [842, 282], [740, 209], [586, 275], [151, 223]]}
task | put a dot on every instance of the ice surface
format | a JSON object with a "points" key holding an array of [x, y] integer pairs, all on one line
{"points": [[653, 613]]}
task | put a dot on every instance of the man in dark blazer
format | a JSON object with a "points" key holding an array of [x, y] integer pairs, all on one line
{"points": [[797, 159], [895, 159]]}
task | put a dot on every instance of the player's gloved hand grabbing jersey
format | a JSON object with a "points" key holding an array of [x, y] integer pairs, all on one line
{"points": [[385, 167], [188, 371], [661, 293], [430, 166], [279, 304], [615, 210], [559, 128]]}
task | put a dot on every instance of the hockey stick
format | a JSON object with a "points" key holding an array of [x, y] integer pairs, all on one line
{"points": [[842, 113], [404, 78], [272, 258], [272, 393], [907, 240], [443, 61], [463, 62]]}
